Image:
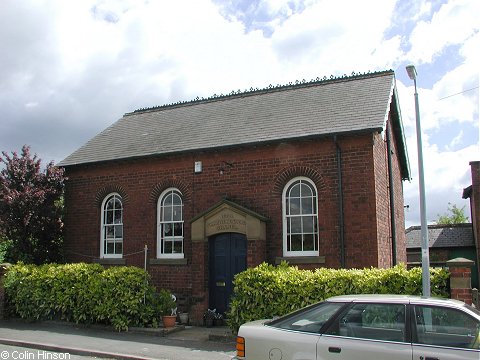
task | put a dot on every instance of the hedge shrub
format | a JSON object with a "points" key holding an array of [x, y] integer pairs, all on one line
{"points": [[267, 291], [83, 293]]}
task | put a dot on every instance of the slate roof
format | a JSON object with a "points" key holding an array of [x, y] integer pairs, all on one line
{"points": [[359, 103], [442, 236]]}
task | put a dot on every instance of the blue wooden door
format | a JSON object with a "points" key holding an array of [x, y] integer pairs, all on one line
{"points": [[228, 257]]}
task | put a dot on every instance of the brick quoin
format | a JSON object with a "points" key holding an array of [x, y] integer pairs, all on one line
{"points": [[255, 181]]}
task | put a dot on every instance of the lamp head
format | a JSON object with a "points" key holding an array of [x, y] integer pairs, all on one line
{"points": [[412, 72]]}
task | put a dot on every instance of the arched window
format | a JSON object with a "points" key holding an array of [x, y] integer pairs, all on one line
{"points": [[170, 224], [112, 227], [300, 218]]}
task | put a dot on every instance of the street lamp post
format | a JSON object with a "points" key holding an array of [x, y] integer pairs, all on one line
{"points": [[412, 74]]}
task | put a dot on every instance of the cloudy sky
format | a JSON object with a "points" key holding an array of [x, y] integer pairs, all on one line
{"points": [[68, 69]]}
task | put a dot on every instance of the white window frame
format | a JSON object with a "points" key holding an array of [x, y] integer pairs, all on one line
{"points": [[103, 253], [286, 217], [160, 223]]}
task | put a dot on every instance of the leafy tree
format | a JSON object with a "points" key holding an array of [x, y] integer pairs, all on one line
{"points": [[456, 216], [31, 208]]}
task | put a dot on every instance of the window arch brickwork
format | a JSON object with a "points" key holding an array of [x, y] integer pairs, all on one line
{"points": [[284, 176], [109, 189], [159, 188]]}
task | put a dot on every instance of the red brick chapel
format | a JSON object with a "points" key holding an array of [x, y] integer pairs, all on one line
{"points": [[309, 172]]}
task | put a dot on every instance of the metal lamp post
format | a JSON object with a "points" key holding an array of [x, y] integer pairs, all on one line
{"points": [[412, 74]]}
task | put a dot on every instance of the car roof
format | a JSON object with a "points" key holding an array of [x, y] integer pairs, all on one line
{"points": [[389, 298]]}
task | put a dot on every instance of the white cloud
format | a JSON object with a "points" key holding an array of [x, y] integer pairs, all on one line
{"points": [[455, 22], [334, 35], [451, 100], [437, 105]]}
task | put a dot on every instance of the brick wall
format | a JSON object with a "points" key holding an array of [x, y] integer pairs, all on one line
{"points": [[475, 207], [384, 203], [255, 181], [361, 246]]}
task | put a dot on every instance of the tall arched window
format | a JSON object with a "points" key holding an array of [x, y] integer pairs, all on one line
{"points": [[170, 224], [300, 218], [112, 227]]}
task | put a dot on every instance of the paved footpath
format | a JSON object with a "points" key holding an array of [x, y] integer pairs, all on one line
{"points": [[185, 343]]}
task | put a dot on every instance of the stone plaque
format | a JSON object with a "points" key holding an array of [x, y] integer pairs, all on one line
{"points": [[226, 221]]}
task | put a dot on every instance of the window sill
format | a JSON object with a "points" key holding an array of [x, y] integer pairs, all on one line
{"points": [[180, 261], [111, 261], [294, 260]]}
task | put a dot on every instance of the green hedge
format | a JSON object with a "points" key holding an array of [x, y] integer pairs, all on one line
{"points": [[83, 293], [267, 291]]}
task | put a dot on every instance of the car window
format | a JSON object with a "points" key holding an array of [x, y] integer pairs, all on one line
{"points": [[310, 319], [446, 327], [472, 309], [371, 321]]}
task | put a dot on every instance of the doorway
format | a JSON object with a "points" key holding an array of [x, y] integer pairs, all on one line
{"points": [[228, 257]]}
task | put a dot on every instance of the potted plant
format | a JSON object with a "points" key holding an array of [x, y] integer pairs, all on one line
{"points": [[218, 320], [183, 316], [167, 308], [209, 317]]}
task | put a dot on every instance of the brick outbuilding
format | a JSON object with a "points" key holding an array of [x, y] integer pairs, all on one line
{"points": [[310, 173]]}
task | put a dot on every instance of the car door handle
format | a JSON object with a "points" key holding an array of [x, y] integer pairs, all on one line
{"points": [[428, 358], [335, 350]]}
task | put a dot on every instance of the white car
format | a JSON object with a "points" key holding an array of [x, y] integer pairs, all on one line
{"points": [[367, 327]]}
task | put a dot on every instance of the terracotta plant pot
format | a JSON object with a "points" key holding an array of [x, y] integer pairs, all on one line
{"points": [[169, 321]]}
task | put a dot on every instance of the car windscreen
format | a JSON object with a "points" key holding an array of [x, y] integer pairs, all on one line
{"points": [[310, 319]]}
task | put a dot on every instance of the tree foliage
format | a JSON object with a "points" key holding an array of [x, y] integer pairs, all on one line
{"points": [[455, 215], [31, 207]]}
